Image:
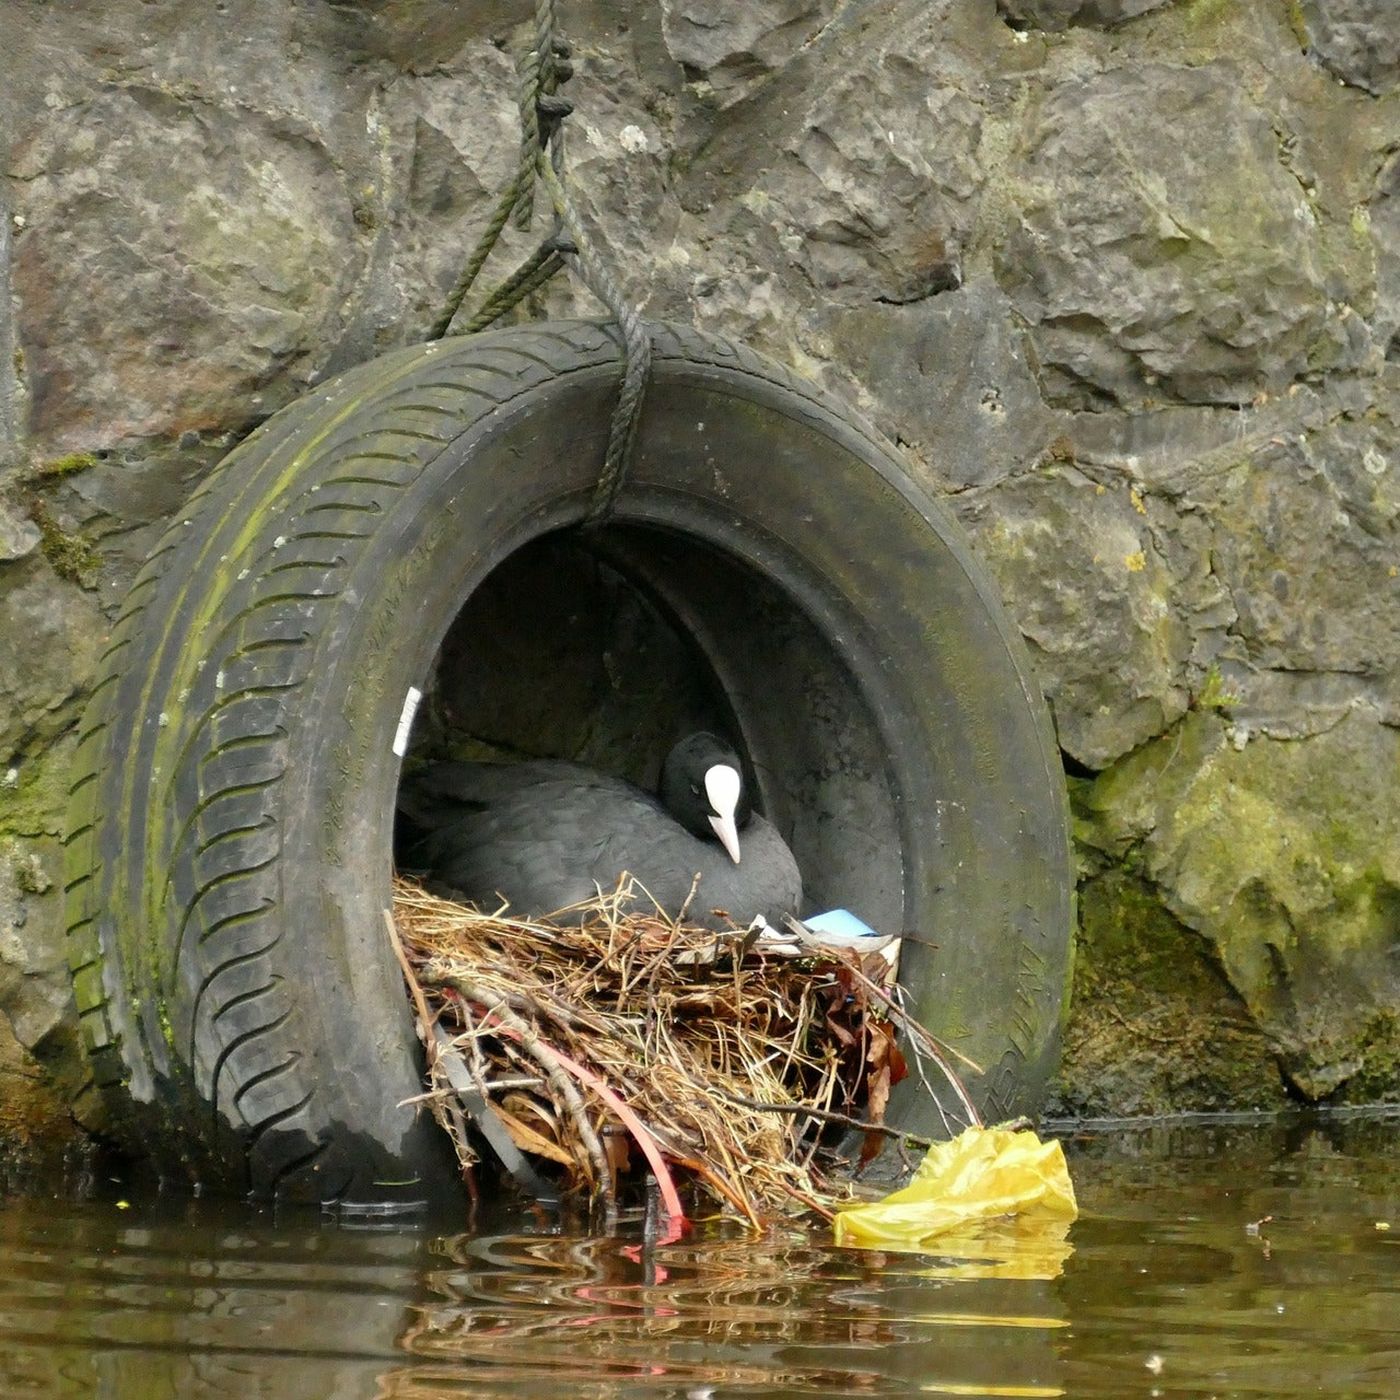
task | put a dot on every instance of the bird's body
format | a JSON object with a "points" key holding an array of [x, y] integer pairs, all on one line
{"points": [[546, 834]]}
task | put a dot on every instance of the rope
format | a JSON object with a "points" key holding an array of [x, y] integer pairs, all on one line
{"points": [[593, 272], [542, 69]]}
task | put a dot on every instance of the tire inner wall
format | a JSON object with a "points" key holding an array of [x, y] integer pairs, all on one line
{"points": [[604, 649]]}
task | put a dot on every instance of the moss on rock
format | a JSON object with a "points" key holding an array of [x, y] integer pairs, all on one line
{"points": [[1285, 859], [70, 555], [67, 465], [1155, 1027]]}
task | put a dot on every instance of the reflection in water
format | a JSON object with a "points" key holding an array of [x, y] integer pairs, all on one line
{"points": [[779, 1316], [1206, 1261]]}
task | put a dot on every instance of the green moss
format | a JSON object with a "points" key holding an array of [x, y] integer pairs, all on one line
{"points": [[1208, 13], [1214, 694], [1119, 809], [63, 466], [1378, 1049], [71, 556], [30, 876], [34, 793], [1282, 855]]}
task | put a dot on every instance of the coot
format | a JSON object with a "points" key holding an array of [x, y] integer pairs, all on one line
{"points": [[543, 834]]}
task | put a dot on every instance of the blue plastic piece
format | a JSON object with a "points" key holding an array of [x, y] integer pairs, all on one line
{"points": [[840, 923]]}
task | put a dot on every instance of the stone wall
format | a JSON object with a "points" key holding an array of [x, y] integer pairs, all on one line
{"points": [[1122, 277]]}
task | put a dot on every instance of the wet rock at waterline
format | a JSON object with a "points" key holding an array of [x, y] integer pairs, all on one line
{"points": [[1122, 277]]}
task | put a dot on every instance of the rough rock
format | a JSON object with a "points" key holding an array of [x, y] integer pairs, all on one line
{"points": [[213, 250], [53, 635], [731, 47], [874, 213], [18, 534], [1358, 40], [1160, 248], [953, 380], [1056, 15], [1092, 593], [34, 995], [1307, 543], [1384, 224]]}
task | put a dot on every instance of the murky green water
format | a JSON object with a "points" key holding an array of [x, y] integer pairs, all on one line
{"points": [[1208, 1261]]}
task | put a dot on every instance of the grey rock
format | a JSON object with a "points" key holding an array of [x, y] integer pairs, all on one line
{"points": [[9, 359], [213, 246], [1090, 590], [1306, 539], [1057, 15], [1358, 40], [33, 974], [732, 46], [420, 35], [52, 635], [1160, 249], [1385, 235], [454, 146], [18, 535], [874, 208], [949, 378]]}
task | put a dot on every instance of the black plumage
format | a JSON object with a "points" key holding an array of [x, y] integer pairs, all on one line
{"points": [[545, 834]]}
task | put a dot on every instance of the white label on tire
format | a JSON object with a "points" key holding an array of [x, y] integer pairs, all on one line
{"points": [[410, 708]]}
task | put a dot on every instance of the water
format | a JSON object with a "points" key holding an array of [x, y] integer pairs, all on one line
{"points": [[1207, 1261]]}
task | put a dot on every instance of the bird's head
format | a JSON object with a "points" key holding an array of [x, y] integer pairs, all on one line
{"points": [[702, 786]]}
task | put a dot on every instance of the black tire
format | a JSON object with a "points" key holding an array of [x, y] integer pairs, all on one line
{"points": [[229, 849]]}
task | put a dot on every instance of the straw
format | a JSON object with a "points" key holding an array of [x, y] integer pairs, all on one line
{"points": [[741, 1072]]}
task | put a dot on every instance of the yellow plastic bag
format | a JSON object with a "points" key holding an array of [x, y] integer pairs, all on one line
{"points": [[983, 1174]]}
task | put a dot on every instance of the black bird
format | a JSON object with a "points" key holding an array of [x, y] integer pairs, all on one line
{"points": [[545, 834]]}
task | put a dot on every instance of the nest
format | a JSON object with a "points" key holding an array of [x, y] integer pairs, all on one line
{"points": [[582, 1044]]}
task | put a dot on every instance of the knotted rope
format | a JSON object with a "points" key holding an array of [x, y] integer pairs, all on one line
{"points": [[543, 69]]}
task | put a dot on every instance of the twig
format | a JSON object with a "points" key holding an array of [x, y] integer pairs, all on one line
{"points": [[549, 1061], [685, 903], [445, 1110], [415, 990], [638, 1130]]}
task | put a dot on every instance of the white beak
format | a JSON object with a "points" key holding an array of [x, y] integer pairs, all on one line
{"points": [[722, 788]]}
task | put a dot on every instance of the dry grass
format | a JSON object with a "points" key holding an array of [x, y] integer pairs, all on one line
{"points": [[602, 1030]]}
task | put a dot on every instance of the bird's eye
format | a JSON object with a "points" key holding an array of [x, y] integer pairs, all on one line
{"points": [[695, 789]]}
